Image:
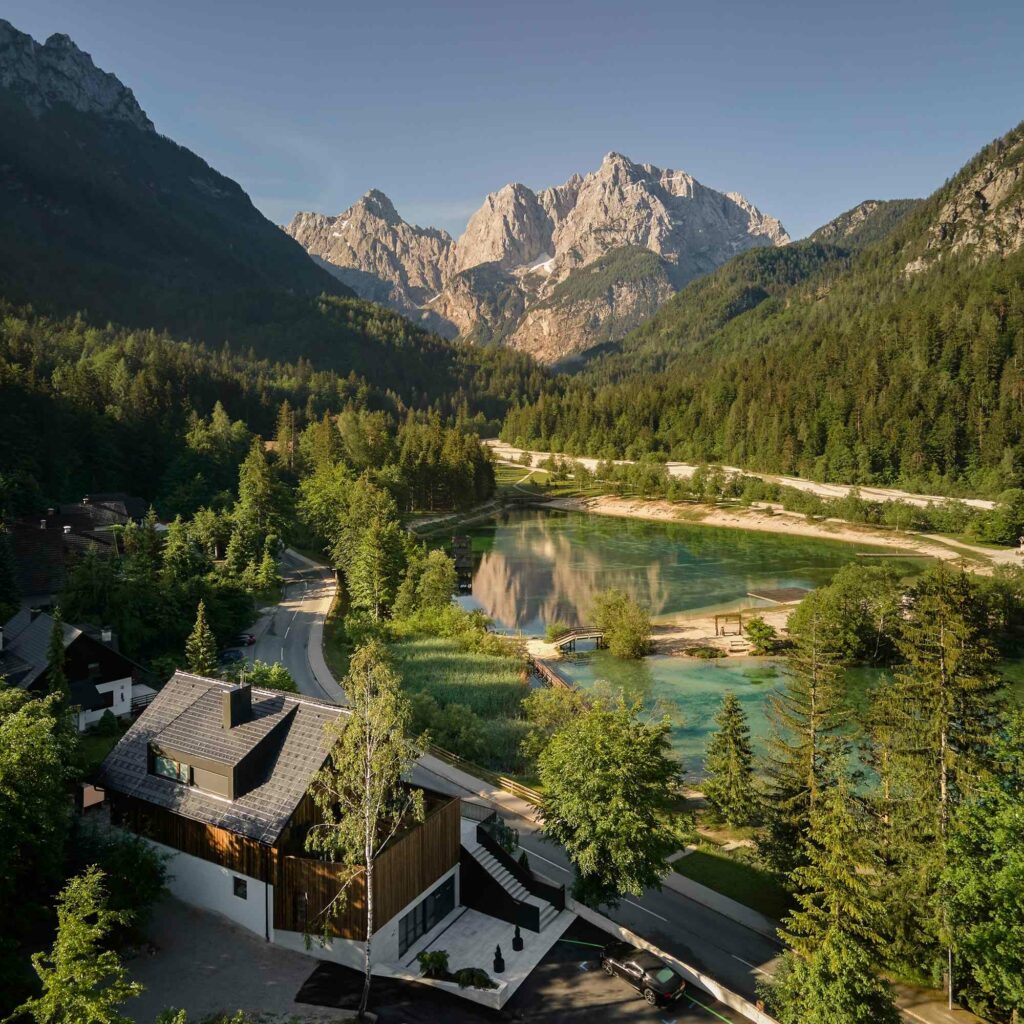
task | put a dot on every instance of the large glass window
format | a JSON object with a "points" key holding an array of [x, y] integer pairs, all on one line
{"points": [[178, 771], [426, 914]]}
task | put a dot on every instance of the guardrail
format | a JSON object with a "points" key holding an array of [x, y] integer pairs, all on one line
{"points": [[531, 796]]}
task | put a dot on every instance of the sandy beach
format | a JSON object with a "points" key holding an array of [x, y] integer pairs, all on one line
{"points": [[780, 521]]}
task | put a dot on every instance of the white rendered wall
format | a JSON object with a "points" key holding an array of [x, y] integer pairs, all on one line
{"points": [[209, 886], [122, 690]]}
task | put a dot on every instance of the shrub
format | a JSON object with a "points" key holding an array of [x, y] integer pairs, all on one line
{"points": [[555, 629], [524, 861], [761, 635], [434, 964], [705, 651], [474, 977], [106, 726]]}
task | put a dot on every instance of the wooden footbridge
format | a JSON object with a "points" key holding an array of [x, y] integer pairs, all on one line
{"points": [[543, 670], [567, 641]]}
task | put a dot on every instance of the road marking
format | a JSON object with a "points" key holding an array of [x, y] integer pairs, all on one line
{"points": [[287, 631], [697, 1002], [531, 853], [646, 911], [282, 655], [753, 967]]}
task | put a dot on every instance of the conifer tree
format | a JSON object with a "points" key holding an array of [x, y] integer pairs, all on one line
{"points": [[201, 646], [56, 676], [729, 787], [944, 706], [983, 883], [828, 973], [376, 568], [285, 435], [806, 718]]}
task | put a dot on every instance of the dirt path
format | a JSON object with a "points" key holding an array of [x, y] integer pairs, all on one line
{"points": [[509, 454]]}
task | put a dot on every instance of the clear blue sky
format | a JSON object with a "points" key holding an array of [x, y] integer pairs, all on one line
{"points": [[805, 107]]}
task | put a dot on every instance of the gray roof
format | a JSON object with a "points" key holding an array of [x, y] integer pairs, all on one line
{"points": [[189, 708], [27, 642]]}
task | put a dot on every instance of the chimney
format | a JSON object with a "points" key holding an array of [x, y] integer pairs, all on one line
{"points": [[42, 524], [34, 613], [87, 500], [106, 634], [50, 512], [67, 529], [237, 705]]}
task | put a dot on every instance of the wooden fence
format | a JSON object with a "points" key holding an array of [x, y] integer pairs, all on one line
{"points": [[531, 796]]}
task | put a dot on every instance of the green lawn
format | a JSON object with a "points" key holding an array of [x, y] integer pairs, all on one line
{"points": [[741, 882], [94, 749]]}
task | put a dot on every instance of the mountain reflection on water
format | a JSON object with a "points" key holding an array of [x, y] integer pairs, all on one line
{"points": [[533, 567]]}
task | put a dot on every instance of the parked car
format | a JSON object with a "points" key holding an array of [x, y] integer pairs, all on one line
{"points": [[244, 640], [231, 657], [658, 983]]}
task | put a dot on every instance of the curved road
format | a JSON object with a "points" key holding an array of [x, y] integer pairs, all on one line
{"points": [[291, 633]]}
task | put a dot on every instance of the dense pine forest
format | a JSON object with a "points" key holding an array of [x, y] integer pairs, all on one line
{"points": [[91, 408], [833, 363]]}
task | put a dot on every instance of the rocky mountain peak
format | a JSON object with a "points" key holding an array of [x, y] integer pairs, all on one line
{"points": [[516, 273], [379, 205], [57, 71]]}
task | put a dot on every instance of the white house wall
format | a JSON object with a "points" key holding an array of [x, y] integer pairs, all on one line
{"points": [[122, 690], [209, 886]]}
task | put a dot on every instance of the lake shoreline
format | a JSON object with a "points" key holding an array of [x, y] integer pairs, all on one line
{"points": [[780, 522]]}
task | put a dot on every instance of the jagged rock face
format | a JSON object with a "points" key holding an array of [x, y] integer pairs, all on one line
{"points": [[695, 228], [557, 330], [985, 214], [59, 72], [381, 257], [847, 223], [524, 244], [484, 303]]}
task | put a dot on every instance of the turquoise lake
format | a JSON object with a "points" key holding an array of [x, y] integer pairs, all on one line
{"points": [[691, 690], [532, 567]]}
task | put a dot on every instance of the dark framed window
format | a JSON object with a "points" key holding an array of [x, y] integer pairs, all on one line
{"points": [[177, 771], [426, 914], [240, 887]]}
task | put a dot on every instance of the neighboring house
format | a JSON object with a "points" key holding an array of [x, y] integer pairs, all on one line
{"points": [[44, 548], [217, 776], [99, 677]]}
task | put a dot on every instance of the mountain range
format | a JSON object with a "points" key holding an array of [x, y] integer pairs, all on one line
{"points": [[552, 273]]}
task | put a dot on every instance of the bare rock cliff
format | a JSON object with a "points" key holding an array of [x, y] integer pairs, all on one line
{"points": [[57, 71], [502, 281]]}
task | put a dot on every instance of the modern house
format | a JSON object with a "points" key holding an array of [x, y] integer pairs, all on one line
{"points": [[100, 678], [217, 776]]}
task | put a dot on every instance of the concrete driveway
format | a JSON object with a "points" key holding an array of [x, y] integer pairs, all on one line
{"points": [[204, 964]]}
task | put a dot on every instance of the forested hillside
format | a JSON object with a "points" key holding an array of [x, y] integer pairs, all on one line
{"points": [[900, 363], [90, 409]]}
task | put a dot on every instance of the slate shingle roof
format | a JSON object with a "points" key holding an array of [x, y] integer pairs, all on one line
{"points": [[27, 639], [194, 702]]}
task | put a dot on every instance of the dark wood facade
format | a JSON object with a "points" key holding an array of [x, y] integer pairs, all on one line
{"points": [[405, 869], [304, 887]]}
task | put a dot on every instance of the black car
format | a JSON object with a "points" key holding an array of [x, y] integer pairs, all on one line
{"points": [[658, 983]]}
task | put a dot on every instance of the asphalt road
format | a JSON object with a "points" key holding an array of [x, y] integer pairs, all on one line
{"points": [[283, 634], [733, 954]]}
